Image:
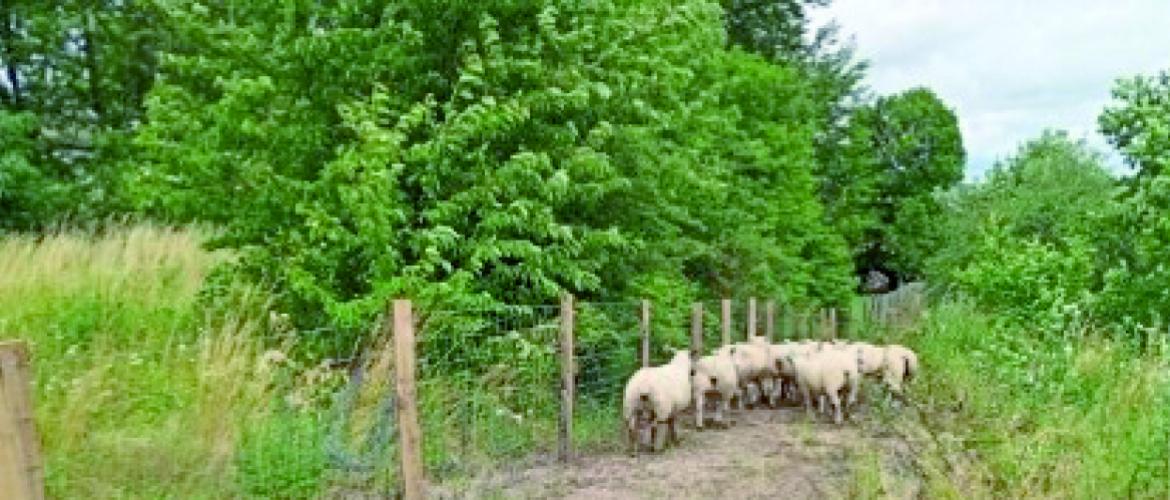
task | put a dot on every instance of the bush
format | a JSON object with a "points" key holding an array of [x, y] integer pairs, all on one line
{"points": [[283, 457]]}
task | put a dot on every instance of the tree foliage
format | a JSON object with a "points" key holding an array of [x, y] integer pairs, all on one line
{"points": [[606, 149], [1027, 240], [482, 152]]}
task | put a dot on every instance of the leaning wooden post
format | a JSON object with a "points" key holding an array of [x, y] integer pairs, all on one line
{"points": [[645, 333], [751, 319], [565, 439], [725, 320], [409, 434], [770, 321], [696, 353], [22, 473]]}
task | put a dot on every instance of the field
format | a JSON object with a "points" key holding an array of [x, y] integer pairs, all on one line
{"points": [[145, 390]]}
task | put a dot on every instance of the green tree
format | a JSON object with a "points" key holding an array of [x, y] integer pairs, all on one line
{"points": [[1027, 240], [1136, 123], [607, 149], [912, 148], [82, 69]]}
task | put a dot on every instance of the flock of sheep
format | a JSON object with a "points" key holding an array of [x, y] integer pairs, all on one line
{"points": [[749, 372]]}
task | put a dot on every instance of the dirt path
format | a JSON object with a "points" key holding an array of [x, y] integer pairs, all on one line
{"points": [[767, 453]]}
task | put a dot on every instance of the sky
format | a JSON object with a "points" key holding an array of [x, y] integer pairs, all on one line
{"points": [[1010, 69]]}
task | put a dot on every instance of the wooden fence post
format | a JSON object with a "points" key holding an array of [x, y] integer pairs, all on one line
{"points": [[22, 473], [845, 320], [751, 319], [770, 321], [725, 320], [410, 436], [645, 333], [833, 322], [696, 353], [565, 439]]}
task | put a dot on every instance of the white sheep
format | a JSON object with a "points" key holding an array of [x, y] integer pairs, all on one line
{"points": [[783, 379], [657, 394], [715, 375], [901, 364], [826, 374], [751, 366]]}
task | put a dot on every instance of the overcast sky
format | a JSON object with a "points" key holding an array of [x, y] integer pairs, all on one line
{"points": [[1009, 68]]}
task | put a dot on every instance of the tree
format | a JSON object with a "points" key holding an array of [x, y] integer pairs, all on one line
{"points": [[82, 69], [912, 143], [495, 152], [1136, 123], [1027, 240]]}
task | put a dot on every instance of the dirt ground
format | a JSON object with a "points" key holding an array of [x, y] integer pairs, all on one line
{"points": [[766, 454]]}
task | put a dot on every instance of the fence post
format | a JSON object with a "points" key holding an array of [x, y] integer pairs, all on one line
{"points": [[770, 321], [725, 320], [645, 333], [410, 436], [751, 319], [696, 353], [845, 320], [833, 322], [565, 439], [21, 471]]}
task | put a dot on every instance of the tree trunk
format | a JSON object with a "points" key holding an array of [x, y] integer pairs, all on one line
{"points": [[7, 40]]}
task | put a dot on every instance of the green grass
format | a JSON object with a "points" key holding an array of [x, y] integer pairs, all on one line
{"points": [[1019, 414], [137, 395]]}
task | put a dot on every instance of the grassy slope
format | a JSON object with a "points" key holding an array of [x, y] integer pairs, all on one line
{"points": [[1020, 415]]}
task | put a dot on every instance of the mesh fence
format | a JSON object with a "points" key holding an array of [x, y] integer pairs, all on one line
{"points": [[312, 414]]}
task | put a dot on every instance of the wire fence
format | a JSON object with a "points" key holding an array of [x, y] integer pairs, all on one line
{"points": [[315, 414]]}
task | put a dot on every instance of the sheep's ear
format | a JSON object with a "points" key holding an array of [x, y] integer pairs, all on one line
{"points": [[692, 372]]}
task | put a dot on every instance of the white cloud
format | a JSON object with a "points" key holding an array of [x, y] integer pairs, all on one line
{"points": [[1009, 68]]}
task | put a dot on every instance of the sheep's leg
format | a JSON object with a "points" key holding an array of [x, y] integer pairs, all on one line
{"points": [[631, 430], [661, 429], [835, 400], [672, 437], [718, 410], [700, 407], [753, 389], [806, 396], [854, 386], [821, 403]]}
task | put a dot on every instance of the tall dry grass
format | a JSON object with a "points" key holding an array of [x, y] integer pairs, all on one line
{"points": [[137, 395]]}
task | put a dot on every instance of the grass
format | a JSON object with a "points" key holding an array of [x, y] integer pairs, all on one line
{"points": [[1020, 414], [143, 393], [137, 395]]}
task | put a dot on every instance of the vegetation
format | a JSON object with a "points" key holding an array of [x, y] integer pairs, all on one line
{"points": [[206, 206], [1015, 414]]}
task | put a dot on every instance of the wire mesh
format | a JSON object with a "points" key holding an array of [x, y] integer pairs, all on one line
{"points": [[489, 383]]}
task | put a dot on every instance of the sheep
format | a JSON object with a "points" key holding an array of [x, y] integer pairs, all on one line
{"points": [[825, 375], [751, 366], [657, 394], [781, 379], [716, 374], [901, 364]]}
